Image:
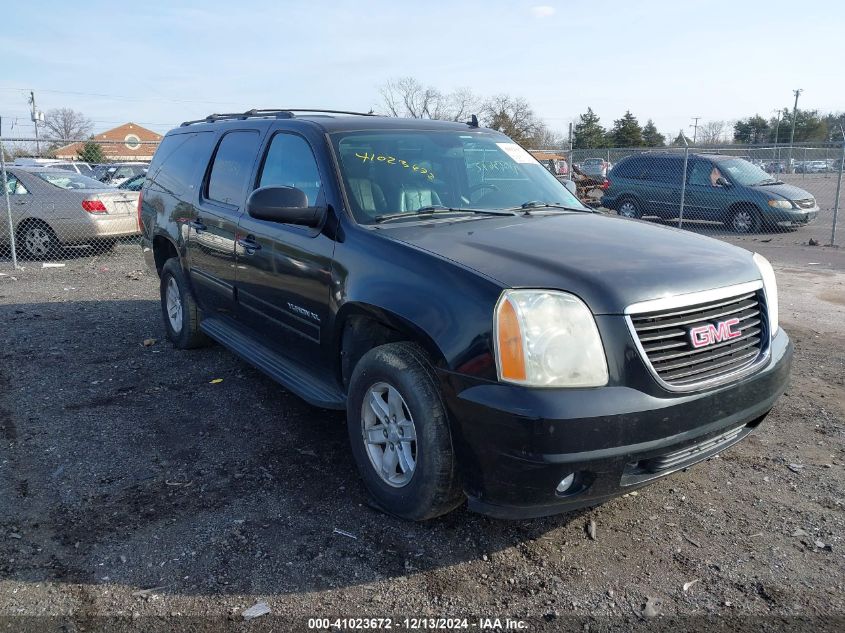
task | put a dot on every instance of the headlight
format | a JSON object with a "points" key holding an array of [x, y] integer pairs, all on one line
{"points": [[770, 287], [546, 338], [780, 204]]}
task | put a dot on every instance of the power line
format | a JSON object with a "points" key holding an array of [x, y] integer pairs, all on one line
{"points": [[123, 97]]}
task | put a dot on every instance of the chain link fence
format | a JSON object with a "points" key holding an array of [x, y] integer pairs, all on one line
{"points": [[70, 198], [719, 190], [57, 206]]}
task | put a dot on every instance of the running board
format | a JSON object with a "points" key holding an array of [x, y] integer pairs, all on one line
{"points": [[291, 376]]}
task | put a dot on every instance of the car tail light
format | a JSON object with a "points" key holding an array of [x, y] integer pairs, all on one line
{"points": [[94, 206], [605, 185], [140, 223]]}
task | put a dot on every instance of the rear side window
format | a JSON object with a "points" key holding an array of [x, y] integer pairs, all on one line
{"points": [[291, 163], [632, 168], [175, 161], [232, 165], [666, 170]]}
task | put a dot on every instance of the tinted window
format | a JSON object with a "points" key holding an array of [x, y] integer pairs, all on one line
{"points": [[666, 170], [176, 160], [632, 168], [232, 166], [291, 163]]}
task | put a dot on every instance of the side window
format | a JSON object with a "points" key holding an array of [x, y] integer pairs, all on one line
{"points": [[175, 161], [666, 170], [232, 166], [14, 186], [699, 173], [291, 163]]}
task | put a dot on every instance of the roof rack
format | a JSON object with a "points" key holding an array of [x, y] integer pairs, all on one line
{"points": [[278, 113]]}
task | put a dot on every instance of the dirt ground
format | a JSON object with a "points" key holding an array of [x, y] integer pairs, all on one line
{"points": [[137, 492]]}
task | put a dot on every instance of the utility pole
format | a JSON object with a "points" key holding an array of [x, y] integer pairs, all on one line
{"points": [[694, 127], [797, 93], [571, 151], [36, 117], [777, 129]]}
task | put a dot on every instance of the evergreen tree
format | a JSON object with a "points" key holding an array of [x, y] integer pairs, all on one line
{"points": [[627, 132], [651, 137], [753, 130], [92, 152], [588, 132]]}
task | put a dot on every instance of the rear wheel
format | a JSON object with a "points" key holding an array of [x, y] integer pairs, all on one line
{"points": [[629, 208], [399, 433], [36, 240], [746, 220], [179, 308]]}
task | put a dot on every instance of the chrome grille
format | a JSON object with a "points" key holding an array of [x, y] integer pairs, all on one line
{"points": [[808, 203], [664, 337]]}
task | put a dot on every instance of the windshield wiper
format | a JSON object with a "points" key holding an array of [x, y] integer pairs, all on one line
{"points": [[768, 181], [437, 208], [536, 204]]}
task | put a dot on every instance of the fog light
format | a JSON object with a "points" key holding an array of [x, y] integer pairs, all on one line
{"points": [[565, 483]]}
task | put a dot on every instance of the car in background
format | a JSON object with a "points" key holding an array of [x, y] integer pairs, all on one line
{"points": [[77, 166], [55, 208], [596, 168], [133, 184], [116, 173], [775, 167], [718, 189]]}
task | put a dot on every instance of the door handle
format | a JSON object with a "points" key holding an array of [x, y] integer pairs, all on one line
{"points": [[20, 202], [197, 225], [249, 244]]}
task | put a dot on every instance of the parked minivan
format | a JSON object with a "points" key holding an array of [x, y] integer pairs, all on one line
{"points": [[718, 188]]}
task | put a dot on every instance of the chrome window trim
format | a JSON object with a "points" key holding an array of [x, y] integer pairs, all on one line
{"points": [[691, 299]]}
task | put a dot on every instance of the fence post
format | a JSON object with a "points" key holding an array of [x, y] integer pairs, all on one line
{"points": [[683, 181], [8, 206], [838, 189]]}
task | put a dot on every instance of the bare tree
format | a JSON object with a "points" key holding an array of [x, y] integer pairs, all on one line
{"points": [[512, 116], [406, 97], [65, 123], [711, 133]]}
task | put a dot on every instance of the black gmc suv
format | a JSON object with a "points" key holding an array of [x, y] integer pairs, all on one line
{"points": [[488, 336]]}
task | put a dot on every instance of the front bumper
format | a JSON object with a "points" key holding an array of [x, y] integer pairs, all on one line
{"points": [[515, 444], [792, 217]]}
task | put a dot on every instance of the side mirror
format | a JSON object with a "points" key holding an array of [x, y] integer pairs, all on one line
{"points": [[287, 205], [571, 186], [722, 182]]}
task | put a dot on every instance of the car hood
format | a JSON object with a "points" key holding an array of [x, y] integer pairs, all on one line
{"points": [[789, 192], [609, 262]]}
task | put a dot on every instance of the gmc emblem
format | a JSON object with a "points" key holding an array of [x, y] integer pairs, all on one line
{"points": [[711, 333]]}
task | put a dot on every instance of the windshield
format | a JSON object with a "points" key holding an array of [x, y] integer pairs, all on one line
{"points": [[70, 180], [742, 172], [406, 171]]}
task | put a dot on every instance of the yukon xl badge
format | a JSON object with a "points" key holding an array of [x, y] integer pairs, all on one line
{"points": [[712, 333]]}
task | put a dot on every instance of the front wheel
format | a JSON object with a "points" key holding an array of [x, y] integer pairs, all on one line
{"points": [[38, 241], [745, 220], [399, 433]]}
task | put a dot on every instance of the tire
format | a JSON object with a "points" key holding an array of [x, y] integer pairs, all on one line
{"points": [[179, 308], [745, 220], [417, 479], [36, 240], [629, 208]]}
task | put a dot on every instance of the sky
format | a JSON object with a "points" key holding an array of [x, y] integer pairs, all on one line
{"points": [[160, 63]]}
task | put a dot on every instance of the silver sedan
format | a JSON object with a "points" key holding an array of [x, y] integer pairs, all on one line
{"points": [[52, 208]]}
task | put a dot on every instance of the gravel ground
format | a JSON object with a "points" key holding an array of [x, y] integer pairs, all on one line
{"points": [[139, 492]]}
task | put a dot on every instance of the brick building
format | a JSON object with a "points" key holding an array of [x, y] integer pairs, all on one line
{"points": [[129, 142]]}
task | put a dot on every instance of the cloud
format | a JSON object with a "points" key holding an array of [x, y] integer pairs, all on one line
{"points": [[542, 11]]}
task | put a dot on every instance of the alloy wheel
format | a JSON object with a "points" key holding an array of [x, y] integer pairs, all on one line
{"points": [[37, 241], [389, 434], [628, 209], [174, 305]]}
